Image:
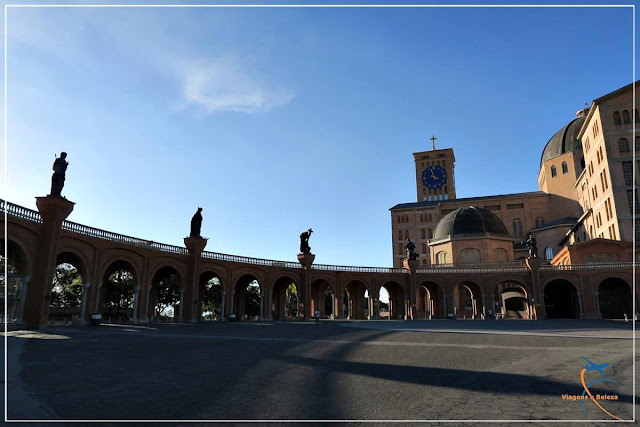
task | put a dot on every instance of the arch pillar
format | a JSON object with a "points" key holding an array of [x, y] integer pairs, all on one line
{"points": [[580, 305], [136, 300], [189, 303], [181, 306], [261, 315], [83, 306], [53, 210], [148, 314], [23, 298]]}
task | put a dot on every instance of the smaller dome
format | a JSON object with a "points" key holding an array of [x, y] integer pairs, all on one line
{"points": [[470, 220]]}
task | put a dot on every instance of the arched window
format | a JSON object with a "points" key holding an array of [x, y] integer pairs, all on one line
{"points": [[430, 218], [637, 143], [424, 234], [548, 254], [500, 255], [470, 256], [553, 171], [398, 220], [626, 118], [430, 234], [590, 259], [441, 258], [517, 227], [424, 248], [616, 118], [623, 145], [565, 168], [421, 218], [400, 234], [637, 116], [539, 221], [582, 164], [406, 234]]}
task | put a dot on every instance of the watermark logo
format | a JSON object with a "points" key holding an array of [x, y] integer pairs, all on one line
{"points": [[587, 395]]}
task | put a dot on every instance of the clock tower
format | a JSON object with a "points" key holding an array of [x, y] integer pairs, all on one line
{"points": [[434, 174]]}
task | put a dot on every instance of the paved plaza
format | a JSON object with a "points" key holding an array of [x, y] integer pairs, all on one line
{"points": [[370, 370]]}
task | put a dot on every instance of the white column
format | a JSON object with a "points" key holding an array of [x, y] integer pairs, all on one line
{"points": [[182, 290], [83, 306], [484, 306], [233, 307], [136, 298], [23, 298], [598, 304], [333, 305], [580, 305], [149, 305], [224, 297], [260, 316]]}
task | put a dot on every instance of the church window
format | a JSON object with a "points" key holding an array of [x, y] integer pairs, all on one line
{"points": [[441, 258], [586, 144], [565, 168], [637, 116], [616, 118], [421, 218], [590, 259], [470, 256], [424, 234], [582, 163], [430, 218], [637, 143], [398, 220], [539, 221], [424, 248], [430, 234], [406, 234], [553, 171], [500, 255], [400, 249], [548, 254], [623, 145], [517, 227], [627, 170], [399, 234], [626, 117]]}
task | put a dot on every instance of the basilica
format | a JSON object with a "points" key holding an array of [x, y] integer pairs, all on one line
{"points": [[582, 214]]}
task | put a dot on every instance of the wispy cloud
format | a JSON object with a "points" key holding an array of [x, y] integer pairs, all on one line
{"points": [[223, 85]]}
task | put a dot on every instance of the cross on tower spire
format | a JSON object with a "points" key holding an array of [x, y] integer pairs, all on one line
{"points": [[433, 141]]}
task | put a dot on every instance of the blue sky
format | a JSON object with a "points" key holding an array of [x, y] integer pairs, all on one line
{"points": [[277, 120]]}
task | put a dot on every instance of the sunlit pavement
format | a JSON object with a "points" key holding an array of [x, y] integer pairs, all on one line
{"points": [[375, 370]]}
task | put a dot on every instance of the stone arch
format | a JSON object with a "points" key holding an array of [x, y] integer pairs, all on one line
{"points": [[285, 304], [209, 295], [17, 256], [78, 259], [324, 298], [18, 266], [430, 300], [67, 287], [511, 299], [116, 296], [615, 299], [561, 299], [158, 263], [356, 303], [396, 308], [467, 299], [167, 289], [246, 301], [125, 256]]}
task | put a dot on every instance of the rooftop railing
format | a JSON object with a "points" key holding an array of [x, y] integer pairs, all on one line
{"points": [[502, 267]]}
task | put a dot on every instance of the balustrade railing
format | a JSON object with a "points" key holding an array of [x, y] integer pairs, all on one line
{"points": [[516, 266], [574, 267]]}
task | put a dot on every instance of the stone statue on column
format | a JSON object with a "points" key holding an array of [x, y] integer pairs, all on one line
{"points": [[196, 224], [532, 245], [304, 242], [411, 250], [59, 171]]}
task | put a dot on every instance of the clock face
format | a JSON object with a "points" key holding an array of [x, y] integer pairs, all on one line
{"points": [[434, 177]]}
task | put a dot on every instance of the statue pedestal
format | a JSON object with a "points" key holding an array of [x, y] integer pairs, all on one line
{"points": [[411, 264], [195, 245], [190, 310], [53, 210], [306, 260], [534, 263]]}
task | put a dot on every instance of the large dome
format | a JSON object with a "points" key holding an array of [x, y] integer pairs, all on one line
{"points": [[470, 220], [564, 141]]}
